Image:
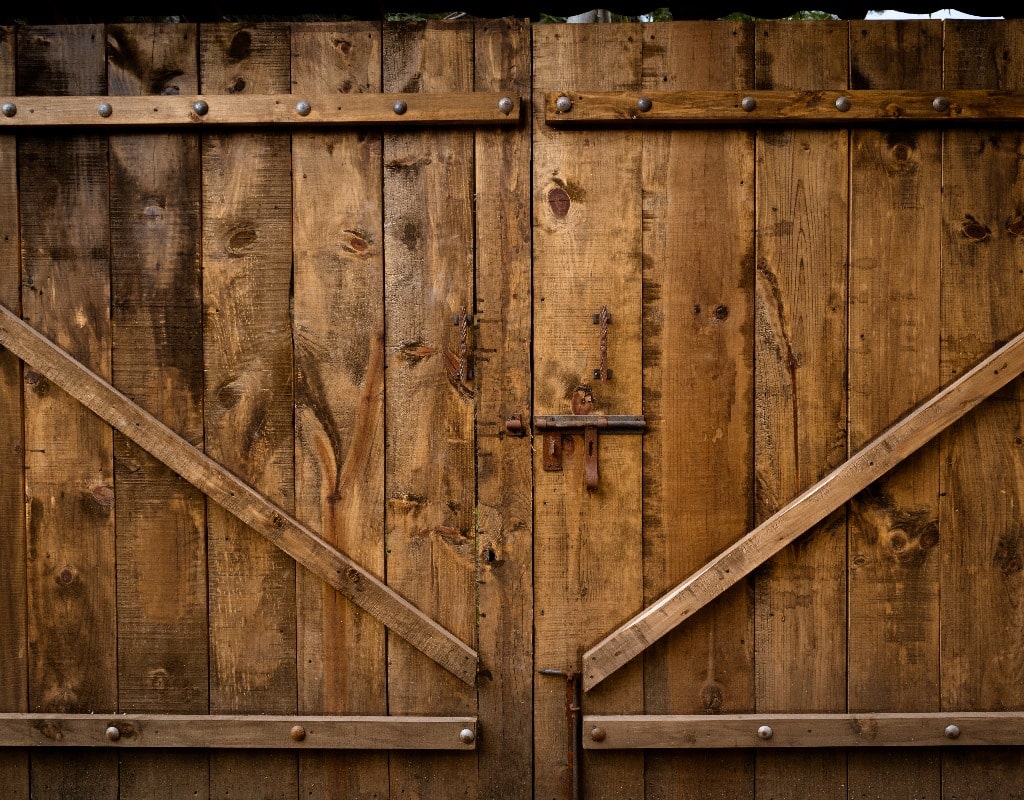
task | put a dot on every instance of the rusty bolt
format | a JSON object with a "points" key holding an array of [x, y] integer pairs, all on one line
{"points": [[645, 104], [201, 107], [505, 105], [113, 733], [940, 104], [765, 732], [466, 736], [598, 734], [105, 109], [10, 109], [748, 103], [400, 107], [952, 731], [298, 733], [514, 425], [563, 104], [302, 108], [843, 103]]}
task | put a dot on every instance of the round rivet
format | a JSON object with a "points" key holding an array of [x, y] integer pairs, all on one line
{"points": [[298, 733], [645, 104], [10, 109], [597, 734], [113, 734], [765, 732], [952, 731], [843, 103], [201, 107], [466, 736], [302, 108], [400, 107], [105, 109], [563, 104], [505, 105], [940, 104], [748, 103]]}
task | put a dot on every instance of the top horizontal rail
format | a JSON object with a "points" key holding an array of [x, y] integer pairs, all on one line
{"points": [[450, 108], [754, 108]]}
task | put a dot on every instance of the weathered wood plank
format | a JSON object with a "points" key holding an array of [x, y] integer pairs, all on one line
{"points": [[247, 338], [981, 491], [822, 731], [339, 395], [799, 411], [430, 484], [503, 463], [234, 732], [158, 360], [263, 109], [891, 447], [698, 278], [13, 554], [893, 574], [587, 254], [69, 490]]}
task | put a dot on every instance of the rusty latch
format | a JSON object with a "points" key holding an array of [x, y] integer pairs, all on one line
{"points": [[554, 426]]}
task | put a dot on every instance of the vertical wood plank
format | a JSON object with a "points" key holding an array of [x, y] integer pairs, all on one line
{"points": [[698, 191], [587, 254], [339, 395], [247, 255], [68, 451], [13, 621], [504, 472], [158, 362], [800, 405], [895, 210], [429, 406], [982, 487]]}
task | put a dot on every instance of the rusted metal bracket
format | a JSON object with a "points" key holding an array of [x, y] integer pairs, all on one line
{"points": [[573, 726], [604, 319], [555, 426]]}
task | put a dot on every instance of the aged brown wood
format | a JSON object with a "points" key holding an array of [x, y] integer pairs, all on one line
{"points": [[14, 774], [502, 56], [970, 729], [69, 487], [264, 109], [698, 243], [799, 419], [430, 485], [157, 358], [981, 489], [816, 105], [234, 732], [893, 573], [233, 494], [875, 459], [587, 254]]}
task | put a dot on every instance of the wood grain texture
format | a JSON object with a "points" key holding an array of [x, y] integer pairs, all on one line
{"points": [[800, 408], [69, 491], [698, 190], [13, 554], [339, 410], [502, 61], [982, 656], [158, 360], [587, 253], [430, 486], [893, 577], [248, 409]]}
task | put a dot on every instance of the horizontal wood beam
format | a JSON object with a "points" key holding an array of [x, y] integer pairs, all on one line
{"points": [[830, 108], [237, 497], [876, 458], [249, 732], [465, 108], [803, 730]]}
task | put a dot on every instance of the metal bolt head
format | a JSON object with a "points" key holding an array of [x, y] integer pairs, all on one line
{"points": [[765, 732], [400, 107], [645, 104], [105, 109], [505, 105], [302, 108], [940, 104], [597, 734], [748, 103], [9, 109], [952, 731], [563, 104], [467, 736], [298, 733], [843, 103], [201, 107], [113, 733]]}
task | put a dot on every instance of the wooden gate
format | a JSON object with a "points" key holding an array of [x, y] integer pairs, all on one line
{"points": [[503, 335]]}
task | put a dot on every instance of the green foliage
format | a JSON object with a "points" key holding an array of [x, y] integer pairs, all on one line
{"points": [[799, 15]]}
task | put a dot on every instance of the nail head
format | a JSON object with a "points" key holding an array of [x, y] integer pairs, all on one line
{"points": [[563, 104], [201, 107], [940, 104], [843, 103], [598, 734], [302, 108], [748, 103], [505, 105], [400, 107], [952, 731], [765, 732], [105, 109], [645, 104], [467, 736], [298, 733], [113, 733], [10, 109]]}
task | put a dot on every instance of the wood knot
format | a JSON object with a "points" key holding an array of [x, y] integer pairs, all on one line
{"points": [[66, 576], [558, 200], [712, 698], [974, 230]]}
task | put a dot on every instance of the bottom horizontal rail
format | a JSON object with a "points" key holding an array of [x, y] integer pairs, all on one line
{"points": [[803, 730], [238, 731]]}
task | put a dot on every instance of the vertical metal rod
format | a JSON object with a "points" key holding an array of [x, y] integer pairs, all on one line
{"points": [[573, 727]]}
